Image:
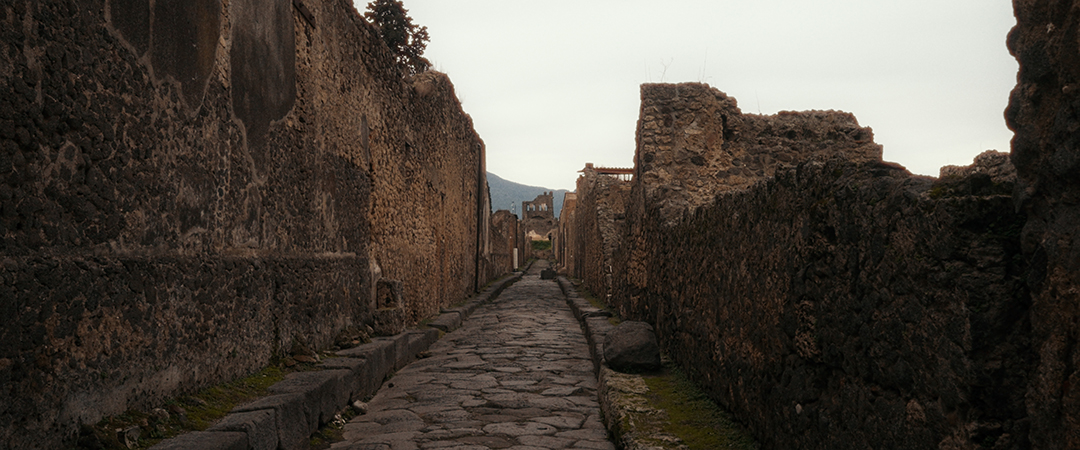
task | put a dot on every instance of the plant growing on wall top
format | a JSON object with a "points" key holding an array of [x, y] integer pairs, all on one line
{"points": [[406, 40]]}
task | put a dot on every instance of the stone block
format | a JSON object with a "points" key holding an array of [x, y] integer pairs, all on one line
{"points": [[294, 419], [388, 321], [324, 391], [260, 427], [632, 347], [205, 440], [447, 321], [397, 351], [377, 354], [388, 294], [354, 382], [421, 340]]}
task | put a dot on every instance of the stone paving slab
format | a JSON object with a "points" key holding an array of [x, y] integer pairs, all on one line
{"points": [[516, 375]]}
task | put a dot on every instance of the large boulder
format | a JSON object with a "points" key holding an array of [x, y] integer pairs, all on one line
{"points": [[632, 347]]}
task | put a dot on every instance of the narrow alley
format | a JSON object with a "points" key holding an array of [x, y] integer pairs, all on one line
{"points": [[516, 375]]}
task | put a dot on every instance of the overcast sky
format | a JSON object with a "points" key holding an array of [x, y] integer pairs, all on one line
{"points": [[553, 84]]}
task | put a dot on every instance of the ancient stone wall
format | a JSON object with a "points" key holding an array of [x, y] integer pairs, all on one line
{"points": [[693, 142], [186, 187], [524, 245], [568, 244], [429, 196], [486, 270], [830, 300], [504, 232], [1044, 112], [599, 227]]}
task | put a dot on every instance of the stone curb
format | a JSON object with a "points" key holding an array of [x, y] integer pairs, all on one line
{"points": [[303, 401], [451, 318], [594, 323]]}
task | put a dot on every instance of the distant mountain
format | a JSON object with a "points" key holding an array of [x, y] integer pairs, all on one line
{"points": [[505, 193]]}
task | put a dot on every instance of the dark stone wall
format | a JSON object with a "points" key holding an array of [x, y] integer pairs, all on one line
{"points": [[842, 306], [186, 187], [1044, 112], [829, 299], [93, 335]]}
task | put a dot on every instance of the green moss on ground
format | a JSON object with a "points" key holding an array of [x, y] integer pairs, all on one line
{"points": [[589, 297], [691, 417], [216, 401], [188, 413]]}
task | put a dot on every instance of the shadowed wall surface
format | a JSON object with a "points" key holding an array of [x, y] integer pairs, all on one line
{"points": [[829, 299], [1044, 112]]}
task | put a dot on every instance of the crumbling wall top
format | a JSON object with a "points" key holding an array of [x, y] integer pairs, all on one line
{"points": [[693, 142]]}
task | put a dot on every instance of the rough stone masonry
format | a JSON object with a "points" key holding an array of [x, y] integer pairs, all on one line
{"points": [[828, 298], [187, 187], [833, 300]]}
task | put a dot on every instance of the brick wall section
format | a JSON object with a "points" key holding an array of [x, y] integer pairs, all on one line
{"points": [[180, 199], [839, 303], [1044, 112]]}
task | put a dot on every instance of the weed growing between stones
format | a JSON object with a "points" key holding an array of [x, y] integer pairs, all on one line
{"points": [[331, 432]]}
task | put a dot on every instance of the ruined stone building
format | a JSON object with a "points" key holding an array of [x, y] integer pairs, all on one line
{"points": [[597, 225], [183, 198], [832, 300], [538, 217]]}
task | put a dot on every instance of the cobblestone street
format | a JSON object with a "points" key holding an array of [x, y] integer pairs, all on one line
{"points": [[516, 375]]}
